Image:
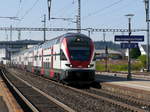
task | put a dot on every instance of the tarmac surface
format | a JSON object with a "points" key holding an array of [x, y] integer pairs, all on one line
{"points": [[136, 83], [137, 87]]}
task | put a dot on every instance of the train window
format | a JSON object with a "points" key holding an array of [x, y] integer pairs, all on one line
{"points": [[36, 58], [45, 65], [62, 56], [48, 65], [58, 40], [94, 59], [55, 55]]}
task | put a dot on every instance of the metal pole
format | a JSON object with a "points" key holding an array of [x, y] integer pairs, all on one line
{"points": [[148, 41], [148, 49], [19, 35], [44, 27], [49, 2], [106, 52], [89, 33], [79, 17], [10, 32], [129, 77], [106, 60]]}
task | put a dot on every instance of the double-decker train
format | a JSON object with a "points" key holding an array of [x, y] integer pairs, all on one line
{"points": [[69, 58]]}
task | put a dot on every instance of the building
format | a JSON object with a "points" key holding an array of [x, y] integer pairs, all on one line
{"points": [[143, 49], [8, 48], [112, 54]]}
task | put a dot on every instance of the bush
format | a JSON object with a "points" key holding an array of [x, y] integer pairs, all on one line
{"points": [[135, 53], [143, 58], [136, 66]]}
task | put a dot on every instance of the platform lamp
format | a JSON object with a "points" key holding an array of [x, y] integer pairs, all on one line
{"points": [[129, 76], [148, 35]]}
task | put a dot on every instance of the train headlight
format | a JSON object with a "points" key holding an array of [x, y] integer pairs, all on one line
{"points": [[68, 65], [91, 65]]}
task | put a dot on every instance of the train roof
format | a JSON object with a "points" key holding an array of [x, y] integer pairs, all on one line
{"points": [[74, 34], [52, 42]]}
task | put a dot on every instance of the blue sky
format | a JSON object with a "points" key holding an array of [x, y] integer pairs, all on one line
{"points": [[95, 14]]}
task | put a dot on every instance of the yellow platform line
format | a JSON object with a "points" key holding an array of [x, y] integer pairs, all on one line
{"points": [[10, 101]]}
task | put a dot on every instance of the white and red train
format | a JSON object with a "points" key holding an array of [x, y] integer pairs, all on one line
{"points": [[69, 57]]}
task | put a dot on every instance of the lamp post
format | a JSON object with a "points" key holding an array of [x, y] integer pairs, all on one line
{"points": [[129, 77], [148, 41], [49, 3]]}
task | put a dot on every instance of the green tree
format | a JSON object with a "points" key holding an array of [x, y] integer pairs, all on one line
{"points": [[135, 53]]}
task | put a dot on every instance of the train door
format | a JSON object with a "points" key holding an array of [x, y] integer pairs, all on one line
{"points": [[32, 62], [51, 66], [42, 63]]}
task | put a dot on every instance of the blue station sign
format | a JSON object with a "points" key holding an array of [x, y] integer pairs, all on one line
{"points": [[138, 38], [129, 45]]}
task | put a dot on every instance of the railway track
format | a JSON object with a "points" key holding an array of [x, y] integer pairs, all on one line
{"points": [[31, 98], [138, 103], [81, 100]]}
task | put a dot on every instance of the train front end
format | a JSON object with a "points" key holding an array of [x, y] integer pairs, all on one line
{"points": [[77, 59]]}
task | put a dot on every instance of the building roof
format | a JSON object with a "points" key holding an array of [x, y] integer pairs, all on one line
{"points": [[18, 42], [109, 52], [143, 49]]}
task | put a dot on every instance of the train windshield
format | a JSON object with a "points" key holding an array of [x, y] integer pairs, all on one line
{"points": [[79, 48]]}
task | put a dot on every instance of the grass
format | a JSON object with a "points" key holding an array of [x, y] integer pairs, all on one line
{"points": [[118, 65]]}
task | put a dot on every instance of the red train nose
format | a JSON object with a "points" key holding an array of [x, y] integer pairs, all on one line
{"points": [[80, 64]]}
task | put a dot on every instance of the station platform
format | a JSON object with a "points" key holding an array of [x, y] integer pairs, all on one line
{"points": [[7, 101], [137, 87]]}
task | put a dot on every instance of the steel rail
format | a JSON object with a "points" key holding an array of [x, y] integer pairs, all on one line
{"points": [[65, 107], [115, 103], [31, 106], [133, 100]]}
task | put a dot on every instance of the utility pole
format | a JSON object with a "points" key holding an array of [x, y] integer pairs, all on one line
{"points": [[106, 52], [10, 32], [148, 41], [89, 33], [19, 35], [44, 29], [79, 17], [129, 77]]}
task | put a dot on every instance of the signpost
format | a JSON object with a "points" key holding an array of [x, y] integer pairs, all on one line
{"points": [[137, 38], [128, 43]]}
